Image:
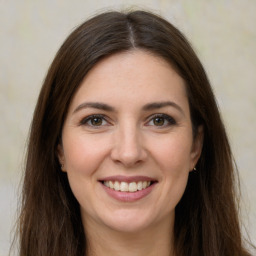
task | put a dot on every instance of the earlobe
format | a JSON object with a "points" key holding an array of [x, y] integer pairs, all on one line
{"points": [[60, 154], [197, 147]]}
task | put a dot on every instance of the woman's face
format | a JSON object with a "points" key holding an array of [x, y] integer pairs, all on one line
{"points": [[127, 143]]}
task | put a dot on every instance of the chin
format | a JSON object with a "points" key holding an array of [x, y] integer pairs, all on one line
{"points": [[128, 221]]}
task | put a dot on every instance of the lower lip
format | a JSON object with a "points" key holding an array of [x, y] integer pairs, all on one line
{"points": [[128, 196]]}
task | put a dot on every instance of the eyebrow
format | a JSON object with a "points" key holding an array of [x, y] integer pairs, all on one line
{"points": [[97, 105], [147, 107], [157, 105]]}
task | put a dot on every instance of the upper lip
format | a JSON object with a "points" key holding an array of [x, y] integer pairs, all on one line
{"points": [[127, 179]]}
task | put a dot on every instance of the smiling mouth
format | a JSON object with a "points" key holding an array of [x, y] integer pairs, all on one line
{"points": [[127, 186]]}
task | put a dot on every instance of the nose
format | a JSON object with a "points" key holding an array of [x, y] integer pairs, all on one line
{"points": [[128, 148]]}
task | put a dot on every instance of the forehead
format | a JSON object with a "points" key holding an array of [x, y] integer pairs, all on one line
{"points": [[129, 77]]}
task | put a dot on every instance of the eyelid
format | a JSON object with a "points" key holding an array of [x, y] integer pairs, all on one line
{"points": [[84, 121], [170, 119]]}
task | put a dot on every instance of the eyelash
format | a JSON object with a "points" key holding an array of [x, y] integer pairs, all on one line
{"points": [[85, 121], [170, 120]]}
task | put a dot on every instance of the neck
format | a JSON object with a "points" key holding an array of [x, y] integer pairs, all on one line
{"points": [[152, 241]]}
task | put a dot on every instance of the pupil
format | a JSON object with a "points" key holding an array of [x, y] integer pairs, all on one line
{"points": [[96, 121], [159, 121]]}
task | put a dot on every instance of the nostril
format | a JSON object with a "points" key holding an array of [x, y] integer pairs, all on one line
{"points": [[128, 151]]}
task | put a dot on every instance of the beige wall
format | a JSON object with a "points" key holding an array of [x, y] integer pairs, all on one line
{"points": [[222, 32]]}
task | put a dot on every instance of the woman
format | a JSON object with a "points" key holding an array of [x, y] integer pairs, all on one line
{"points": [[127, 152]]}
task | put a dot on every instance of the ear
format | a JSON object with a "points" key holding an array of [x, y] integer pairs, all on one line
{"points": [[61, 157], [197, 147]]}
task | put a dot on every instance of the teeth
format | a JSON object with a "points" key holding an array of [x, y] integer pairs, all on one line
{"points": [[116, 185], [133, 187], [139, 185], [127, 187], [111, 184], [124, 186]]}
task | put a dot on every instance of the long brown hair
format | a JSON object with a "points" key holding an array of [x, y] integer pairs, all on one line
{"points": [[206, 221]]}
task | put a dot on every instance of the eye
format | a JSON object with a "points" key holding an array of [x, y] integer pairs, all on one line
{"points": [[94, 121], [161, 120]]}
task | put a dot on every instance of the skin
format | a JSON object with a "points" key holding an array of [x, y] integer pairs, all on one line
{"points": [[129, 141]]}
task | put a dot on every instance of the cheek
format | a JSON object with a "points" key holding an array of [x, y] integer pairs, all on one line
{"points": [[173, 154], [83, 155], [173, 157]]}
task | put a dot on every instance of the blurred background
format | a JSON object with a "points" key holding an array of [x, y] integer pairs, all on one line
{"points": [[222, 32]]}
